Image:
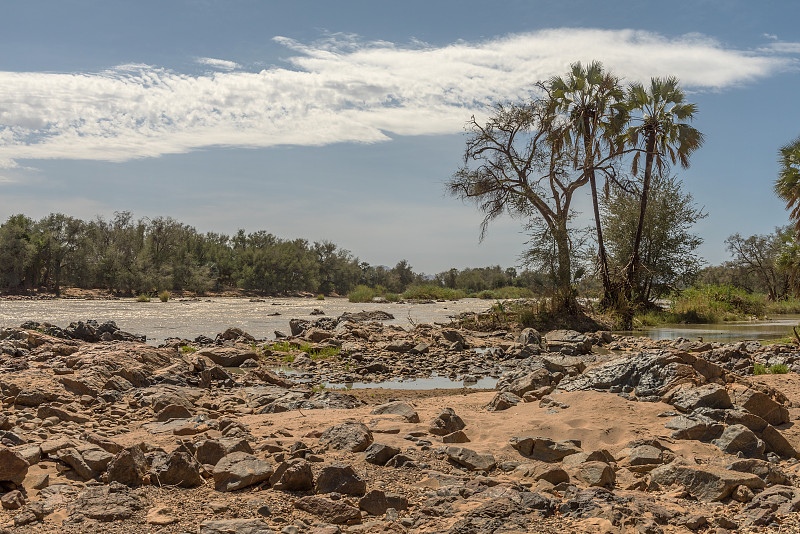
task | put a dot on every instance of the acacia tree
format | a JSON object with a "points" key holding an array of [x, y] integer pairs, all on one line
{"points": [[658, 130], [592, 101], [512, 165]]}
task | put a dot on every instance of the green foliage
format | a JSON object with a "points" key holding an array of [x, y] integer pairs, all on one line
{"points": [[320, 297], [164, 296], [362, 293], [710, 304], [777, 369], [789, 305], [392, 297], [142, 297], [507, 292], [432, 292], [187, 349], [288, 358]]}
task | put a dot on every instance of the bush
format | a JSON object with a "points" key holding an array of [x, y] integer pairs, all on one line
{"points": [[760, 369], [164, 296], [507, 292], [716, 303], [320, 297], [432, 292], [186, 349], [142, 297], [777, 369], [362, 293]]}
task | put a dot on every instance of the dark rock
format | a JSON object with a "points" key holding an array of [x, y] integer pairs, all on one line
{"points": [[770, 473], [235, 526], [211, 451], [336, 512], [777, 443], [179, 469], [350, 436], [106, 503], [13, 500], [737, 438], [294, 475], [13, 467], [557, 340], [173, 411], [529, 336], [522, 383], [688, 398], [470, 459], [761, 405], [703, 482], [503, 401], [545, 449], [128, 467], [73, 458], [340, 478], [446, 422], [598, 474], [376, 502], [239, 470], [694, 427], [379, 454], [227, 356], [770, 505], [456, 437]]}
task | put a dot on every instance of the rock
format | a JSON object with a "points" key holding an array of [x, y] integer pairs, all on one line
{"points": [[737, 438], [47, 410], [51, 446], [761, 405], [770, 505], [96, 458], [545, 449], [340, 478], [233, 334], [294, 475], [768, 472], [529, 336], [173, 411], [694, 427], [379, 454], [688, 398], [227, 356], [298, 326], [13, 467], [13, 500], [376, 502], [526, 382], [446, 422], [598, 474], [703, 482], [503, 401], [239, 470], [549, 473], [235, 526], [128, 467], [73, 458], [160, 516], [777, 443], [645, 455], [336, 512], [559, 340], [454, 336], [179, 469], [106, 503], [400, 408], [470, 459], [456, 437], [350, 436], [211, 451]]}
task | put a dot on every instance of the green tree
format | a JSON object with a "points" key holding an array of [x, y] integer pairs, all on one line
{"points": [[759, 256], [591, 100], [668, 249], [658, 130], [512, 165], [787, 186]]}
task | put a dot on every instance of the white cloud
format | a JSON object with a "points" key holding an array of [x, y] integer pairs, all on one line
{"points": [[221, 64], [782, 48], [337, 90]]}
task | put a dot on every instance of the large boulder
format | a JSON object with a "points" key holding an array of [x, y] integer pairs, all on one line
{"points": [[703, 482], [760, 404], [545, 449], [13, 467], [739, 439], [474, 461], [128, 467], [403, 409], [568, 341], [688, 398], [446, 422], [349, 436], [178, 469], [340, 478], [239, 470], [294, 475], [227, 356]]}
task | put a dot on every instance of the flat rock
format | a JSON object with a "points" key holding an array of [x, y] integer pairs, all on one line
{"points": [[227, 356], [688, 398], [235, 526], [470, 459], [239, 470], [336, 512], [350, 436], [545, 449], [703, 482], [403, 409], [106, 503]]}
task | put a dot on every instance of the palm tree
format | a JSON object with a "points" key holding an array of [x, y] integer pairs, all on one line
{"points": [[592, 100], [658, 129], [787, 186]]}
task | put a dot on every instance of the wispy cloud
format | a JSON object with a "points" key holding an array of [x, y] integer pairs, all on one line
{"points": [[221, 64], [338, 90]]}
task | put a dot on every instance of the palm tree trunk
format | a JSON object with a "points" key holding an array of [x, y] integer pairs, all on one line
{"points": [[633, 265], [601, 248]]}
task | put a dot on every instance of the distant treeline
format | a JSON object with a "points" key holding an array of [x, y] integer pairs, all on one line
{"points": [[128, 256]]}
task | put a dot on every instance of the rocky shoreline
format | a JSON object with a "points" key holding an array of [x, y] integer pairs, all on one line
{"points": [[585, 432]]}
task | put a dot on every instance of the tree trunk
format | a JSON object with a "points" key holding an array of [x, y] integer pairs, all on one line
{"points": [[631, 279], [601, 248], [565, 296]]}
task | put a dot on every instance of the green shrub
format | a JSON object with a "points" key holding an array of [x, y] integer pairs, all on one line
{"points": [[164, 296], [320, 297], [716, 303], [432, 292], [186, 349], [760, 369], [142, 297], [392, 297], [779, 369], [791, 305], [362, 293]]}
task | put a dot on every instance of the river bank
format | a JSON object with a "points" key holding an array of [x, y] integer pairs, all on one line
{"points": [[591, 433]]}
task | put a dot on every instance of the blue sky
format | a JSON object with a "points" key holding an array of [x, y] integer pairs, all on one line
{"points": [[342, 120]]}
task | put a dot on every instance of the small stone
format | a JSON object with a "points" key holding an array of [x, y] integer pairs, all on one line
{"points": [[161, 515], [456, 437], [13, 500]]}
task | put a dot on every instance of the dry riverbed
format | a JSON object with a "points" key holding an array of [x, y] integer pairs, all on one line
{"points": [[583, 433]]}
